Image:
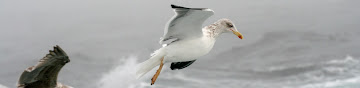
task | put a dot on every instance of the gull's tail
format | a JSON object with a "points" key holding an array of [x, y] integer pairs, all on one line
{"points": [[149, 64]]}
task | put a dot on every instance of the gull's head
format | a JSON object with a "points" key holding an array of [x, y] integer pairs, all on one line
{"points": [[227, 26]]}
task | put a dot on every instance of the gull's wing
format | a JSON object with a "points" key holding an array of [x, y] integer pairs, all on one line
{"points": [[44, 73], [186, 23]]}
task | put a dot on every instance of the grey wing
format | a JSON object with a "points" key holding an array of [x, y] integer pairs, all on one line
{"points": [[186, 23], [44, 74], [181, 65]]}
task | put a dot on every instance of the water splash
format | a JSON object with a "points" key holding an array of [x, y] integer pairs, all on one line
{"points": [[122, 76]]}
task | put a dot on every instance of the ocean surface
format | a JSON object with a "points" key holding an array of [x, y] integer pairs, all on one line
{"points": [[287, 44]]}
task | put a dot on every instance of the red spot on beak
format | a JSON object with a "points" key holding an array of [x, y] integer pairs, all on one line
{"points": [[237, 33], [240, 37]]}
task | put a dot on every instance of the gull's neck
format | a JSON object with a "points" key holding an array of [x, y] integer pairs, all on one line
{"points": [[212, 31]]}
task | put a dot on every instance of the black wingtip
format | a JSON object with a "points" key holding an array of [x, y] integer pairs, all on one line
{"points": [[176, 7], [181, 7], [181, 65]]}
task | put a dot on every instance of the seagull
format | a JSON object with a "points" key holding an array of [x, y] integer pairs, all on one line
{"points": [[185, 40], [45, 73]]}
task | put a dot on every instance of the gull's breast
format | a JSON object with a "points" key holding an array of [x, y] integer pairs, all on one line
{"points": [[186, 50]]}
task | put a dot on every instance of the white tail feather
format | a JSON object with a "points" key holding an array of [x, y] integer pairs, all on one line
{"points": [[149, 64]]}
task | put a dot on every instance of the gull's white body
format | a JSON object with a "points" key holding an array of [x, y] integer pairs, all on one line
{"points": [[188, 50], [185, 50], [185, 39]]}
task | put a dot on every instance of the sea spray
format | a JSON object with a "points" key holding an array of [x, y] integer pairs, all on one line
{"points": [[123, 75]]}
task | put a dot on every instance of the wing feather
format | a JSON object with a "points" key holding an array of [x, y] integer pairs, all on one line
{"points": [[186, 23], [44, 73], [181, 65]]}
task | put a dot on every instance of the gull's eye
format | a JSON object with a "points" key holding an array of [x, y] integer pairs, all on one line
{"points": [[230, 25]]}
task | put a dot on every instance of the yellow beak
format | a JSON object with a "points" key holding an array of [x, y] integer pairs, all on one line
{"points": [[238, 34]]}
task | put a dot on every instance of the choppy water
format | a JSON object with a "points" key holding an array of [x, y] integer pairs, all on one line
{"points": [[336, 73], [304, 64], [287, 43]]}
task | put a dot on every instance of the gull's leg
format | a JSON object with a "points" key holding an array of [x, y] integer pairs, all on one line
{"points": [[153, 79]]}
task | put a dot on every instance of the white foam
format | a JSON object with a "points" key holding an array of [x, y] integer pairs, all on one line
{"points": [[123, 76], [348, 59], [335, 83], [280, 68], [338, 83], [2, 86]]}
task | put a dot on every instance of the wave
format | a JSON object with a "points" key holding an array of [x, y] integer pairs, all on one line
{"points": [[349, 61], [348, 74], [344, 83], [122, 76], [335, 73]]}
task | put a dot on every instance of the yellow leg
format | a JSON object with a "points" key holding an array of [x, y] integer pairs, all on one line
{"points": [[153, 79]]}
